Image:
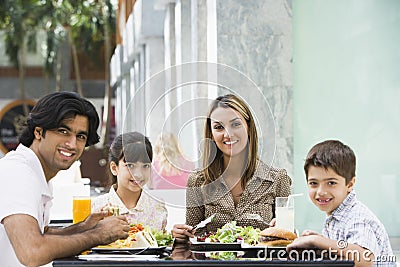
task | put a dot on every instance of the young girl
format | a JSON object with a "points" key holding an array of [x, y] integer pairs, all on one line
{"points": [[233, 184], [130, 165]]}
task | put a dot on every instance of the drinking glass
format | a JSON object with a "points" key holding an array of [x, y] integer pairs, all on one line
{"points": [[81, 208], [284, 211]]}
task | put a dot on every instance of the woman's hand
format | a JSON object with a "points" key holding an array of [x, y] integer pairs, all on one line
{"points": [[272, 223], [182, 232]]}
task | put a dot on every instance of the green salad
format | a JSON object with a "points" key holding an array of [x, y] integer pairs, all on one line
{"points": [[162, 237], [231, 233]]}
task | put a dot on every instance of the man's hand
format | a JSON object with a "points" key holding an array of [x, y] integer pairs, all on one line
{"points": [[93, 219], [112, 228]]}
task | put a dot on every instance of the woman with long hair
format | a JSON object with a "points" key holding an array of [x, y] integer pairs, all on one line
{"points": [[234, 183]]}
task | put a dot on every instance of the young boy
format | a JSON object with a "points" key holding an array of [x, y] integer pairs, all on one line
{"points": [[351, 230]]}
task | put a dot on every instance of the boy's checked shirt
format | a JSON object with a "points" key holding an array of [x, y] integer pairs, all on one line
{"points": [[354, 223]]}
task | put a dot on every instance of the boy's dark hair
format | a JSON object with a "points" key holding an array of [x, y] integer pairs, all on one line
{"points": [[333, 154], [52, 109], [132, 147]]}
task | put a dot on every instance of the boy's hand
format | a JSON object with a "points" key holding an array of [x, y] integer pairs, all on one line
{"points": [[308, 239], [309, 232], [303, 242]]}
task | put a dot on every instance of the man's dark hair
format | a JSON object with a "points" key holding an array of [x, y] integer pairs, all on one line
{"points": [[52, 109], [335, 155]]}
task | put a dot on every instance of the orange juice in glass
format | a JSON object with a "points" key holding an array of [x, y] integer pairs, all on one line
{"points": [[81, 208]]}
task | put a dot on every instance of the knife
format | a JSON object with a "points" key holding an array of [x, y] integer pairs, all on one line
{"points": [[204, 223]]}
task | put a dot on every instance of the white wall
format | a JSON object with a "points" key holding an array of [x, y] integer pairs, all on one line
{"points": [[347, 87]]}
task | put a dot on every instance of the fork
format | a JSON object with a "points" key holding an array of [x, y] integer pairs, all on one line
{"points": [[203, 223]]}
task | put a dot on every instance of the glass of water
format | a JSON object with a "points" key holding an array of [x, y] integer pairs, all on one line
{"points": [[284, 211]]}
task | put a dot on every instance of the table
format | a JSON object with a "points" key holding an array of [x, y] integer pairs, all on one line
{"points": [[188, 255], [71, 262]]}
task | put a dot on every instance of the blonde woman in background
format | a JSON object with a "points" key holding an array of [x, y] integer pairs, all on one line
{"points": [[170, 168]]}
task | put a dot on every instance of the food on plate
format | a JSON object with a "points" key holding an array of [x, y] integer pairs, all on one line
{"points": [[231, 233], [163, 237], [139, 237], [144, 239], [204, 236], [275, 237]]}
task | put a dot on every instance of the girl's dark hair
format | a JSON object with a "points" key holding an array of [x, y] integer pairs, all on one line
{"points": [[131, 147], [335, 155], [52, 109]]}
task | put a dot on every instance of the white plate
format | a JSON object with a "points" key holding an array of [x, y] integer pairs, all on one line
{"points": [[111, 257], [134, 251]]}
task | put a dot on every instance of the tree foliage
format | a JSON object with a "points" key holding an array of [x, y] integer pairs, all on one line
{"points": [[20, 19], [23, 19], [86, 24]]}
